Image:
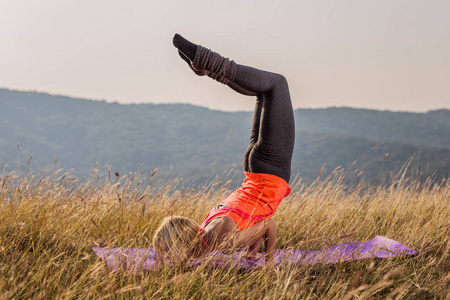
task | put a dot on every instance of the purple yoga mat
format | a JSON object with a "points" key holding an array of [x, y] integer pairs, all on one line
{"points": [[144, 258]]}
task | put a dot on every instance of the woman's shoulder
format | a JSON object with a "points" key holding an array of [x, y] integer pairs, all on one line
{"points": [[217, 230]]}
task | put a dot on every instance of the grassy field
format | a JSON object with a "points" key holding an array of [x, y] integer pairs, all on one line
{"points": [[49, 222]]}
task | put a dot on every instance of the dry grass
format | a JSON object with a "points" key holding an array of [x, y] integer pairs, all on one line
{"points": [[49, 222]]}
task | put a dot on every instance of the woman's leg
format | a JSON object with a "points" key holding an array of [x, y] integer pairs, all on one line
{"points": [[273, 131], [255, 131]]}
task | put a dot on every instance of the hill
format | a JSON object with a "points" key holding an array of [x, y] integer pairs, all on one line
{"points": [[195, 143]]}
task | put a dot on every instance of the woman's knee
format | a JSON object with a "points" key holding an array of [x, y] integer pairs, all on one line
{"points": [[279, 81]]}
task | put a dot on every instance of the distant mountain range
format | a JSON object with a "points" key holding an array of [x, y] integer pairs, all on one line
{"points": [[195, 143]]}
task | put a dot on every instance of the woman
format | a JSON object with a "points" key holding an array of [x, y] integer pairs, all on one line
{"points": [[243, 220]]}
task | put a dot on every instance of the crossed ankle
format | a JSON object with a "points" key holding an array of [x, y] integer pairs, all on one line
{"points": [[212, 64]]}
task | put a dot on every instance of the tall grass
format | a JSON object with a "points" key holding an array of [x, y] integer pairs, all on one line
{"points": [[49, 222]]}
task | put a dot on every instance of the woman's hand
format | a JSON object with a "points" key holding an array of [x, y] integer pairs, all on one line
{"points": [[254, 257]]}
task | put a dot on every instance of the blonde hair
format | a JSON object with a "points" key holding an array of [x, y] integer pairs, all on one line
{"points": [[176, 238]]}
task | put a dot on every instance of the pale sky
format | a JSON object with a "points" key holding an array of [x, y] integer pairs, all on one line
{"points": [[378, 54]]}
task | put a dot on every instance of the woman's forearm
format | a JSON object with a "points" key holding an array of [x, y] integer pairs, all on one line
{"points": [[270, 239], [253, 250]]}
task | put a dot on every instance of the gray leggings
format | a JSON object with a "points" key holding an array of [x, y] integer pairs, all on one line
{"points": [[273, 130]]}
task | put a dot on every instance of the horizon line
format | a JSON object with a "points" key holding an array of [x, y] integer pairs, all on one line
{"points": [[212, 109]]}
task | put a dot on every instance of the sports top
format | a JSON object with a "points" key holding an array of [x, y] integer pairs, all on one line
{"points": [[257, 199]]}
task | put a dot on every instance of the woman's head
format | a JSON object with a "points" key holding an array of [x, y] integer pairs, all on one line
{"points": [[177, 238]]}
